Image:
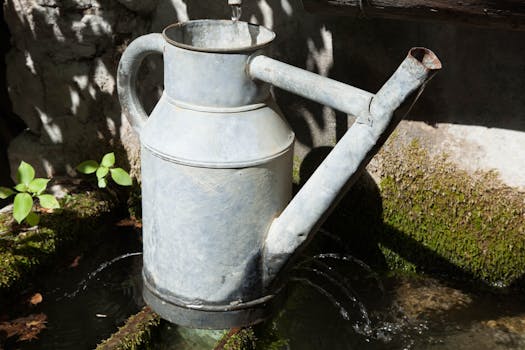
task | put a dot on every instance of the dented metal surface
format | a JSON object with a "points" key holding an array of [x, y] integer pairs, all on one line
{"points": [[217, 164]]}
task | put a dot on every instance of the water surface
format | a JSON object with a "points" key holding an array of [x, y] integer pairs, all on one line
{"points": [[334, 302]]}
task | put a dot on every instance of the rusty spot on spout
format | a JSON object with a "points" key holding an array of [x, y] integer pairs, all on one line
{"points": [[426, 57]]}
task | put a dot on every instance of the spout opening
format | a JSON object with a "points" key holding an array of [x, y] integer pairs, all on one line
{"points": [[218, 36], [426, 57]]}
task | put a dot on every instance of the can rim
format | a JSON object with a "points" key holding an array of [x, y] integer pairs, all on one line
{"points": [[211, 22]]}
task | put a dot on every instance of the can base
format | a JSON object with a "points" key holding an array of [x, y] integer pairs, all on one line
{"points": [[212, 316]]}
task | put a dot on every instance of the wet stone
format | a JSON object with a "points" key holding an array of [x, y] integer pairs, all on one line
{"points": [[418, 297]]}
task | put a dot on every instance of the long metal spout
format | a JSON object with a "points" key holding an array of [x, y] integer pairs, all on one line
{"points": [[375, 121]]}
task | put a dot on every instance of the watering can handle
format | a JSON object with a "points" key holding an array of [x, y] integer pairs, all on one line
{"points": [[127, 76]]}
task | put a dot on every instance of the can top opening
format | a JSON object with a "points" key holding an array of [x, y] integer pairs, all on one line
{"points": [[218, 35]]}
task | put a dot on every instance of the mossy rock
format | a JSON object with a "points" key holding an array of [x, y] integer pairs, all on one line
{"points": [[427, 215], [260, 337], [438, 217], [78, 222]]}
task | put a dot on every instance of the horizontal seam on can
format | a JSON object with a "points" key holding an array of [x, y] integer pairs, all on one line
{"points": [[218, 165], [192, 107], [212, 308]]}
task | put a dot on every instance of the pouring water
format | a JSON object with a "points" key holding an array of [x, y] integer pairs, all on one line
{"points": [[236, 9], [236, 12]]}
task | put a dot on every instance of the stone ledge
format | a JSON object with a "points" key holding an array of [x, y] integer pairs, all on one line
{"points": [[470, 221]]}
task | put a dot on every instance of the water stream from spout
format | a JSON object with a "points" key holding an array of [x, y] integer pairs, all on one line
{"points": [[363, 327], [347, 257], [84, 283], [360, 263], [342, 311]]}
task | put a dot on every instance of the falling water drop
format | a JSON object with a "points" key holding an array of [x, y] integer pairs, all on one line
{"points": [[84, 283], [236, 12]]}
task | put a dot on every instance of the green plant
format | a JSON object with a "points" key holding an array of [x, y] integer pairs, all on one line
{"points": [[25, 191], [105, 168]]}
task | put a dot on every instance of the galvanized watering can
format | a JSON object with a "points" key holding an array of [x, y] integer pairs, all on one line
{"points": [[219, 222]]}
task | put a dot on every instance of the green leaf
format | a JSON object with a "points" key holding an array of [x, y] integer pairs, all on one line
{"points": [[102, 183], [25, 174], [38, 185], [87, 167], [21, 187], [32, 219], [108, 160], [121, 177], [48, 201], [22, 206], [102, 172], [6, 192]]}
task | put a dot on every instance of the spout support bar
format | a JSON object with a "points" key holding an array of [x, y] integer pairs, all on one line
{"points": [[308, 209], [324, 90]]}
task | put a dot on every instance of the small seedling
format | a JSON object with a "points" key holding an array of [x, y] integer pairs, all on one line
{"points": [[105, 168], [27, 189]]}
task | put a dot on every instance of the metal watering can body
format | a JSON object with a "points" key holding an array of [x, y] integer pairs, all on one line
{"points": [[218, 224]]}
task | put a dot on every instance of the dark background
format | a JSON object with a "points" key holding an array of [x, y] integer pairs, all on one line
{"points": [[10, 125]]}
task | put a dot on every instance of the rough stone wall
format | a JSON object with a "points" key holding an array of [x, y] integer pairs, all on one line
{"points": [[61, 78]]}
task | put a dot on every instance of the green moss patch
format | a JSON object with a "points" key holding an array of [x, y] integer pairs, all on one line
{"points": [[296, 170], [77, 222], [237, 339], [260, 337], [135, 334], [438, 217]]}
